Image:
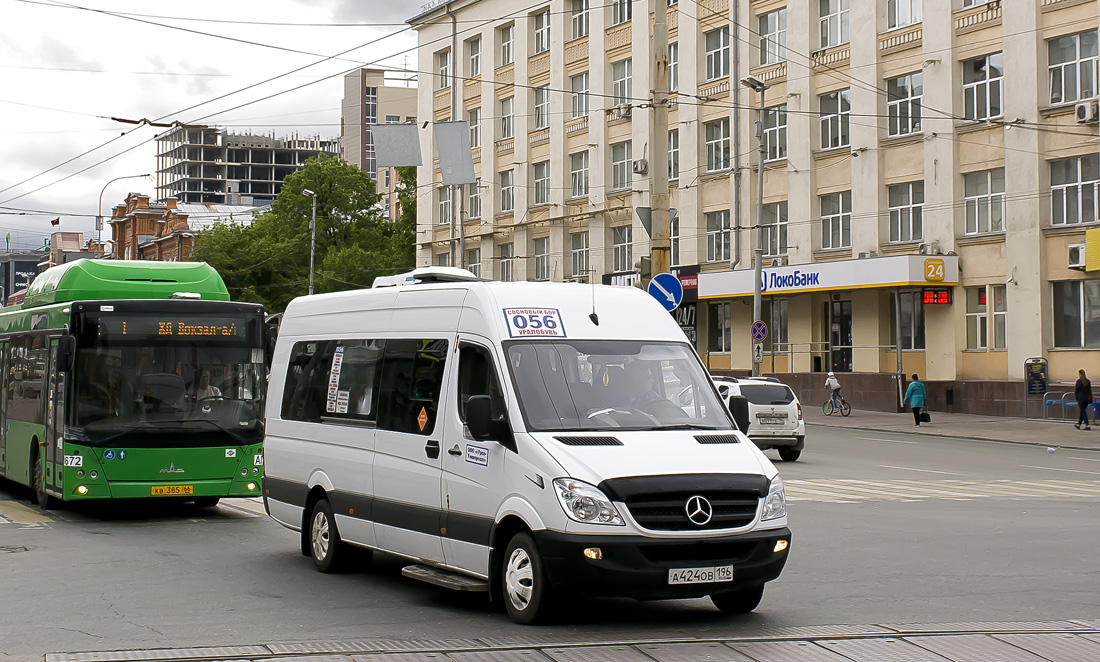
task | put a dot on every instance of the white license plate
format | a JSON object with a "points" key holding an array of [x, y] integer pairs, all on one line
{"points": [[722, 573], [768, 420]]}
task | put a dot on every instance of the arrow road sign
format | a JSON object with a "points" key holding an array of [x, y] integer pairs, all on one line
{"points": [[759, 331], [757, 353], [667, 290]]}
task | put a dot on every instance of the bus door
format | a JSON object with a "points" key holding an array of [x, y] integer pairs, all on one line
{"points": [[53, 460], [5, 379]]}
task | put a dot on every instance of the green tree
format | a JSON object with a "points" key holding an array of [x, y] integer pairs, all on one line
{"points": [[268, 261]]}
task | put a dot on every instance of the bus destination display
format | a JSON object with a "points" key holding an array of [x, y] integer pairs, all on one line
{"points": [[190, 327]]}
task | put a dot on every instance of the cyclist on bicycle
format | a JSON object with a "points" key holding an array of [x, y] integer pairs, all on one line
{"points": [[833, 385]]}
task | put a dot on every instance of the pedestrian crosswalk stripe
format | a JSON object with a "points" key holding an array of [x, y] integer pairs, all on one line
{"points": [[850, 490], [13, 512]]}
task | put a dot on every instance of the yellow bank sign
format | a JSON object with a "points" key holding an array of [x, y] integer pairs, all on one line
{"points": [[1092, 250]]}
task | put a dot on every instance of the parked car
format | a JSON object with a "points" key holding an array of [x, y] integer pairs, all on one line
{"points": [[775, 414]]}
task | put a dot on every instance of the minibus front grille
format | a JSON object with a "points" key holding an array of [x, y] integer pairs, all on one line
{"points": [[668, 512], [716, 438], [699, 552], [589, 441]]}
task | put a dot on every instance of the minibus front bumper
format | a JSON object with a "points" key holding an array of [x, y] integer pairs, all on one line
{"points": [[638, 566]]}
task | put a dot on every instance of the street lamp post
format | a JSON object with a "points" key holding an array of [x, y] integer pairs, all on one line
{"points": [[99, 209], [312, 236], [759, 87]]}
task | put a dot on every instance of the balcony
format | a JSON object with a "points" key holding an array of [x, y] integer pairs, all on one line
{"points": [[576, 51], [506, 146], [900, 39], [831, 57], [576, 125], [977, 18], [618, 36]]}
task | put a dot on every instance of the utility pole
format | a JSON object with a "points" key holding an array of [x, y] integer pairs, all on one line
{"points": [[312, 236], [660, 244], [759, 87]]}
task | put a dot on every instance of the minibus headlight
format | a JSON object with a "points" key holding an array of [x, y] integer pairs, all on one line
{"points": [[775, 505], [584, 503]]}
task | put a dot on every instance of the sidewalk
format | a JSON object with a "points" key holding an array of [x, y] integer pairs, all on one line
{"points": [[966, 426]]}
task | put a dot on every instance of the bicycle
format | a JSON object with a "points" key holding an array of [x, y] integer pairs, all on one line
{"points": [[828, 407]]}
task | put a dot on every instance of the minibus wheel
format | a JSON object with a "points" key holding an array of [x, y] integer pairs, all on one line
{"points": [[527, 593], [325, 546], [738, 602]]}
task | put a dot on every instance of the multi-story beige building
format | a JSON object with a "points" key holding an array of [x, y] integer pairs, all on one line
{"points": [[930, 170], [368, 100]]}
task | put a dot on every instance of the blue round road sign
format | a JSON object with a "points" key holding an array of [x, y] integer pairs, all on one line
{"points": [[667, 290], [759, 331]]}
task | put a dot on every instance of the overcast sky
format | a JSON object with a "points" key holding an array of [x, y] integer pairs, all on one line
{"points": [[65, 69]]}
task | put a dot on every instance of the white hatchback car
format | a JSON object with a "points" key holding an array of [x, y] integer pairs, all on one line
{"points": [[775, 415]]}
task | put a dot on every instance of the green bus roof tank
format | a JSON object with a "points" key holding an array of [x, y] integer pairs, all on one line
{"points": [[82, 280]]}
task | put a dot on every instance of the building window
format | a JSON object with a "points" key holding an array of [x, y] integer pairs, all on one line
{"points": [[903, 104], [974, 3], [542, 32], [834, 22], [982, 85], [370, 117], [542, 182], [1072, 66], [507, 258], [473, 261], [507, 107], [621, 86], [718, 53], [720, 330], [900, 13], [474, 119], [542, 107], [579, 85], [985, 201], [393, 119], [580, 18], [775, 133], [674, 66], [718, 144], [443, 68], [1073, 193], [578, 174], [622, 248], [773, 37], [836, 220], [1077, 313], [542, 258], [718, 236], [473, 50], [579, 242], [775, 312], [912, 320], [621, 11], [507, 41], [443, 195], [774, 227], [977, 322], [620, 165], [507, 198], [836, 108], [474, 195], [674, 240], [674, 154], [442, 260], [906, 212]]}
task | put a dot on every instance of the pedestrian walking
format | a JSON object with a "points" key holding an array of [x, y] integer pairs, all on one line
{"points": [[915, 395], [1082, 392]]}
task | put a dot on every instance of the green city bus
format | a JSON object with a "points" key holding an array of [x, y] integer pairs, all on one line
{"points": [[128, 379]]}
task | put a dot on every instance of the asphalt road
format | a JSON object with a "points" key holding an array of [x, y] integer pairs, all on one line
{"points": [[888, 528]]}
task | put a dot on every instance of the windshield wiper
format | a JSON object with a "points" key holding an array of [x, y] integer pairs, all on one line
{"points": [[132, 428], [684, 426]]}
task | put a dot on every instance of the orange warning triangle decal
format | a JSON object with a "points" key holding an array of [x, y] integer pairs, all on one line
{"points": [[422, 419]]}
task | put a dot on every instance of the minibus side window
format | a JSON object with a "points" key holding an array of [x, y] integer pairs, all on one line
{"points": [[410, 384], [476, 376], [307, 373], [355, 371]]}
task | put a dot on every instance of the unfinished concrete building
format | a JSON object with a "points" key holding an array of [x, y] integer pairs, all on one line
{"points": [[209, 165]]}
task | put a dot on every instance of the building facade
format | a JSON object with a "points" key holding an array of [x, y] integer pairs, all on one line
{"points": [[368, 101], [927, 182], [165, 231], [210, 165]]}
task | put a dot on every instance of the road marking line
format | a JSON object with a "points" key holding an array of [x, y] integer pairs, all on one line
{"points": [[1086, 459], [17, 513], [930, 471], [1062, 487], [892, 441], [1074, 471], [251, 505], [935, 493]]}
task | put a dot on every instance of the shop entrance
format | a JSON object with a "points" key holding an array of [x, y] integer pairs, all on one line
{"points": [[840, 335]]}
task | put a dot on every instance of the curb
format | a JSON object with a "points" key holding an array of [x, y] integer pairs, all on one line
{"points": [[970, 437]]}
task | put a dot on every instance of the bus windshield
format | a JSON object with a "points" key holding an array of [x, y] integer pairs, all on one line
{"points": [[185, 381], [613, 385]]}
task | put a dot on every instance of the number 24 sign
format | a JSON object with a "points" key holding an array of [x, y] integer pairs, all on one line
{"points": [[534, 323], [933, 269]]}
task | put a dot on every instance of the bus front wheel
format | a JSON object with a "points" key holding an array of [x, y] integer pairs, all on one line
{"points": [[45, 501]]}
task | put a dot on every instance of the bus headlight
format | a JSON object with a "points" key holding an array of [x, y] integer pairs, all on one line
{"points": [[81, 489], [585, 503], [775, 506], [251, 487]]}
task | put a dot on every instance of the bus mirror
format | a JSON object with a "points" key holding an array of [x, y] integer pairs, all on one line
{"points": [[66, 353], [479, 417], [739, 407]]}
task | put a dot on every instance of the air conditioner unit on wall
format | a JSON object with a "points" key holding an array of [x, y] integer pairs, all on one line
{"points": [[1086, 112], [1076, 256], [641, 166]]}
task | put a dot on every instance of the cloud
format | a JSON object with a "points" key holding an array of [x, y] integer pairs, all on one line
{"points": [[357, 11], [53, 52]]}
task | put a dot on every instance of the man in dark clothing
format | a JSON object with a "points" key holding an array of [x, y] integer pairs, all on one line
{"points": [[1082, 392]]}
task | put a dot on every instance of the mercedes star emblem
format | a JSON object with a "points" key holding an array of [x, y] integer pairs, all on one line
{"points": [[699, 510]]}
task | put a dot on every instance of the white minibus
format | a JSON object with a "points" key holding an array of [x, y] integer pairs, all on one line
{"points": [[524, 439]]}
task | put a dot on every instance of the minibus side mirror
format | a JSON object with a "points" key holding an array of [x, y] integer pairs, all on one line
{"points": [[66, 353], [739, 407], [479, 417]]}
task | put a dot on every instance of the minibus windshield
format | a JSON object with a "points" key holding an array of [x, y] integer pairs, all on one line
{"points": [[613, 385]]}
